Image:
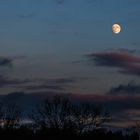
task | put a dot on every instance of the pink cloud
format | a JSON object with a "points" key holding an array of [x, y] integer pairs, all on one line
{"points": [[125, 61]]}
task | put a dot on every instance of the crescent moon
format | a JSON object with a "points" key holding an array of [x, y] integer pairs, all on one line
{"points": [[116, 28]]}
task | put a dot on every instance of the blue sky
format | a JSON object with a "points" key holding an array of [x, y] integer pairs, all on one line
{"points": [[49, 40]]}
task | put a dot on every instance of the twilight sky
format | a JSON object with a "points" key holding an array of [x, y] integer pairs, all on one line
{"points": [[68, 46]]}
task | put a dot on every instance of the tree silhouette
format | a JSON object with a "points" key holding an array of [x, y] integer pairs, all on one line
{"points": [[11, 115], [58, 117], [89, 117], [61, 113], [53, 113], [136, 128]]}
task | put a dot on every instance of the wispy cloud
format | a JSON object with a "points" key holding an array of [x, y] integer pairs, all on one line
{"points": [[61, 81], [125, 61], [9, 82], [126, 118], [27, 16], [5, 80], [42, 87], [59, 84], [60, 1], [55, 84], [123, 50], [30, 9], [128, 89]]}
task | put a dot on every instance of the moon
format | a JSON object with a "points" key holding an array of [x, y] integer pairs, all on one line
{"points": [[116, 28]]}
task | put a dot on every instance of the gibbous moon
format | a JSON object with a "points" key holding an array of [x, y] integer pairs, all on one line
{"points": [[116, 28]]}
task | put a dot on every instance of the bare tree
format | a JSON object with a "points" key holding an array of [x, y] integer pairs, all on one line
{"points": [[11, 115], [60, 113], [90, 117], [53, 113], [136, 128]]}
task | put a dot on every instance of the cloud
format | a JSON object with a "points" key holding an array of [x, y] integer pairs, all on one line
{"points": [[42, 87], [27, 16], [9, 61], [126, 118], [129, 89], [133, 114], [8, 82], [111, 103], [27, 100], [104, 98], [5, 61], [59, 84], [127, 63], [124, 50], [5, 80], [61, 81], [60, 2]]}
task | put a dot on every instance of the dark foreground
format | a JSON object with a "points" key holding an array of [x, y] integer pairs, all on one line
{"points": [[59, 118], [24, 133]]}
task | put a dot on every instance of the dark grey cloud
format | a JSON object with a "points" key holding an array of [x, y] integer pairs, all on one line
{"points": [[127, 63], [42, 87], [6, 61], [128, 89], [27, 100], [5, 80], [59, 84], [9, 82], [126, 118], [127, 114], [110, 102], [61, 81]]}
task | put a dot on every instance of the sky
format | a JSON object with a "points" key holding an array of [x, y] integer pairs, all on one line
{"points": [[68, 46]]}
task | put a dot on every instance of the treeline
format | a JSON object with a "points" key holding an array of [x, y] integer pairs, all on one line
{"points": [[58, 117]]}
